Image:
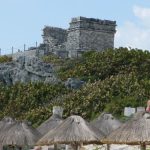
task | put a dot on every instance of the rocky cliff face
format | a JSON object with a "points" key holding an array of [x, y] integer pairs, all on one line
{"points": [[27, 69]]}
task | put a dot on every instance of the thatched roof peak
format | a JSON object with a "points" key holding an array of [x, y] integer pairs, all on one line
{"points": [[6, 122], [76, 119], [74, 129], [18, 133], [57, 110], [56, 116], [134, 132], [8, 119], [106, 116], [52, 122], [106, 122]]}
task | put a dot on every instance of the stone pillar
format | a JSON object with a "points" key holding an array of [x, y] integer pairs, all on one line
{"points": [[57, 110]]}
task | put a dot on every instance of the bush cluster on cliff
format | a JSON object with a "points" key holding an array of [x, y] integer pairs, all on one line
{"points": [[114, 79], [95, 66], [29, 101]]}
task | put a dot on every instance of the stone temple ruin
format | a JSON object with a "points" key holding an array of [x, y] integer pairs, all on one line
{"points": [[27, 69], [84, 34]]}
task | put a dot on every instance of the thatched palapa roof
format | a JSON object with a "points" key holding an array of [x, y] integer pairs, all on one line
{"points": [[134, 132], [106, 123], [19, 134], [73, 130], [52, 122], [49, 124], [6, 122]]}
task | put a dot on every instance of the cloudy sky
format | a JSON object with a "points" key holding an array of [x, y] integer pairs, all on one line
{"points": [[21, 21], [135, 33]]}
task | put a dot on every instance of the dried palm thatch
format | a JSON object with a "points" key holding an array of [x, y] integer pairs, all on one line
{"points": [[74, 130], [19, 134], [134, 132], [5, 123], [106, 123], [50, 124]]}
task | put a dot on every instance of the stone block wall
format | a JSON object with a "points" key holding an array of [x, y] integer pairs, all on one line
{"points": [[84, 34], [54, 37], [95, 40], [73, 41], [87, 34]]}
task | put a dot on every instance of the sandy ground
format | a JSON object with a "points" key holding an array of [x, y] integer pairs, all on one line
{"points": [[102, 147], [112, 147]]}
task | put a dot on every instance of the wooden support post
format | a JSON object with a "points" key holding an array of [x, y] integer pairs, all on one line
{"points": [[75, 146], [37, 52], [12, 50], [143, 147], [108, 146], [55, 147], [24, 47], [36, 45]]}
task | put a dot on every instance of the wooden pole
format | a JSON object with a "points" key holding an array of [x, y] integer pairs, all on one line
{"points": [[108, 146], [37, 52], [0, 51], [75, 146], [143, 147], [12, 50], [24, 47], [36, 44], [55, 147]]}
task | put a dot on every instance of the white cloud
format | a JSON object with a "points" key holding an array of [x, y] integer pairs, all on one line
{"points": [[135, 35], [142, 13]]}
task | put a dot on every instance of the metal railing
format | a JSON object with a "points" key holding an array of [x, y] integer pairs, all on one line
{"points": [[13, 50]]}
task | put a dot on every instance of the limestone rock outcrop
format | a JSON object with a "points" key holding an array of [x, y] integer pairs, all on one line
{"points": [[27, 69]]}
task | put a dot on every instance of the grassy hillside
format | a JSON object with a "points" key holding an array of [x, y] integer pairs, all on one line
{"points": [[114, 79]]}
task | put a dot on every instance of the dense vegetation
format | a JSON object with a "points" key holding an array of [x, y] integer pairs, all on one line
{"points": [[114, 79], [109, 95], [29, 101], [101, 65], [5, 58]]}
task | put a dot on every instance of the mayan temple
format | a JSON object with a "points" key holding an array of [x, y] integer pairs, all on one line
{"points": [[83, 34]]}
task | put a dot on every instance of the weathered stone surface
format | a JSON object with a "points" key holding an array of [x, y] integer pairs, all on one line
{"points": [[30, 53], [84, 34], [87, 34], [27, 69], [74, 83], [54, 37]]}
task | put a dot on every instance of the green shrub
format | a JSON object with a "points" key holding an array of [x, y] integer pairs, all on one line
{"points": [[54, 59], [101, 65], [22, 101], [5, 58]]}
